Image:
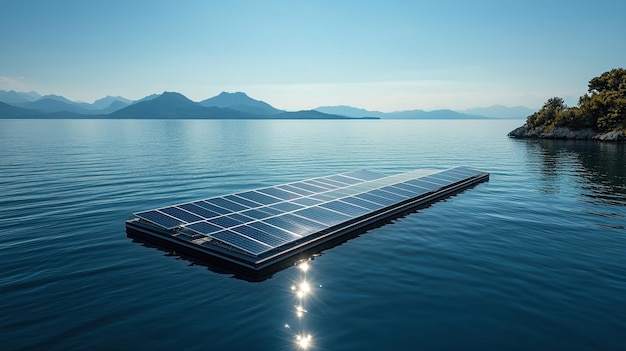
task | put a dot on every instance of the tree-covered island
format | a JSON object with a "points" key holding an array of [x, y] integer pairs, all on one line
{"points": [[600, 114]]}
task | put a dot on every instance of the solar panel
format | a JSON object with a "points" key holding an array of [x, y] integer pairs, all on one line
{"points": [[398, 191], [435, 180], [306, 201], [258, 197], [413, 189], [362, 203], [240, 217], [330, 182], [242, 242], [227, 204], [261, 220], [225, 221], [322, 215], [211, 207], [363, 175], [388, 195], [323, 197], [204, 228], [375, 199], [308, 187], [275, 231], [343, 179], [200, 211], [296, 190], [242, 201], [299, 229], [256, 214], [423, 184], [183, 215], [264, 237], [449, 177], [345, 208], [286, 206], [323, 185], [281, 194], [160, 219]]}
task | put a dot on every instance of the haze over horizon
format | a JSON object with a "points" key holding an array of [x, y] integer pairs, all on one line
{"points": [[382, 56]]}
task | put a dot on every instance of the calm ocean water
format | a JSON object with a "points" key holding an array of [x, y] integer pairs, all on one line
{"points": [[533, 259]]}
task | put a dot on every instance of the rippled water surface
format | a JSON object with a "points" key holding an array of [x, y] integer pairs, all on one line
{"points": [[533, 259]]}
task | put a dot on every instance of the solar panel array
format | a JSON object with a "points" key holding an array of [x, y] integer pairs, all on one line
{"points": [[262, 220]]}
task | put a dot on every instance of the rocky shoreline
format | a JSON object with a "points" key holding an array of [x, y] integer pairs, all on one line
{"points": [[566, 133]]}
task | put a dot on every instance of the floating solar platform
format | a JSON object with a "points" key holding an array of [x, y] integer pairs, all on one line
{"points": [[257, 229]]}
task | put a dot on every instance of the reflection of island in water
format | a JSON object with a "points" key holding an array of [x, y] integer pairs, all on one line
{"points": [[598, 168]]}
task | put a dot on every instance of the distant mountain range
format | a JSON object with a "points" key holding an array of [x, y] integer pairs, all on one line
{"points": [[495, 111], [172, 105], [411, 114], [500, 111], [169, 105]]}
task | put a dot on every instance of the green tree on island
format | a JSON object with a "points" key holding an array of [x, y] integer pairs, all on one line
{"points": [[602, 109]]}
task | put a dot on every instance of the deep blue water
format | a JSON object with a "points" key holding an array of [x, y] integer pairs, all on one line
{"points": [[533, 259]]}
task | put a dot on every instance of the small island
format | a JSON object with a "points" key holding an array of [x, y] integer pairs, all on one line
{"points": [[600, 114]]}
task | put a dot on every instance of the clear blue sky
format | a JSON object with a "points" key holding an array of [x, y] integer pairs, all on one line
{"points": [[380, 55]]}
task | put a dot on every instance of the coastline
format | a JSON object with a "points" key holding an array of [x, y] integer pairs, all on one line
{"points": [[524, 132]]}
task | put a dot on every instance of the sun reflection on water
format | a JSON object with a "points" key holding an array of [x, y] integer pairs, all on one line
{"points": [[302, 289]]}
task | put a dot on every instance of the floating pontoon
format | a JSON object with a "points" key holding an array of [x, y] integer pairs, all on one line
{"points": [[255, 230]]}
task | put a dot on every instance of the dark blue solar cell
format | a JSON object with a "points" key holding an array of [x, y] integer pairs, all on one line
{"points": [[388, 195], [346, 208], [181, 214], [422, 184], [259, 235], [200, 211], [464, 171], [375, 199], [344, 180], [298, 228], [286, 206], [323, 197], [320, 184], [307, 201], [271, 211], [455, 176], [244, 243], [229, 205], [224, 221], [364, 175], [413, 189], [363, 203], [322, 215], [256, 214], [281, 194], [293, 189], [398, 191], [212, 207], [285, 225], [203, 228], [448, 177], [240, 200], [258, 197], [343, 192], [240, 217], [281, 233], [160, 219], [435, 180], [312, 225], [309, 187], [333, 184]]}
